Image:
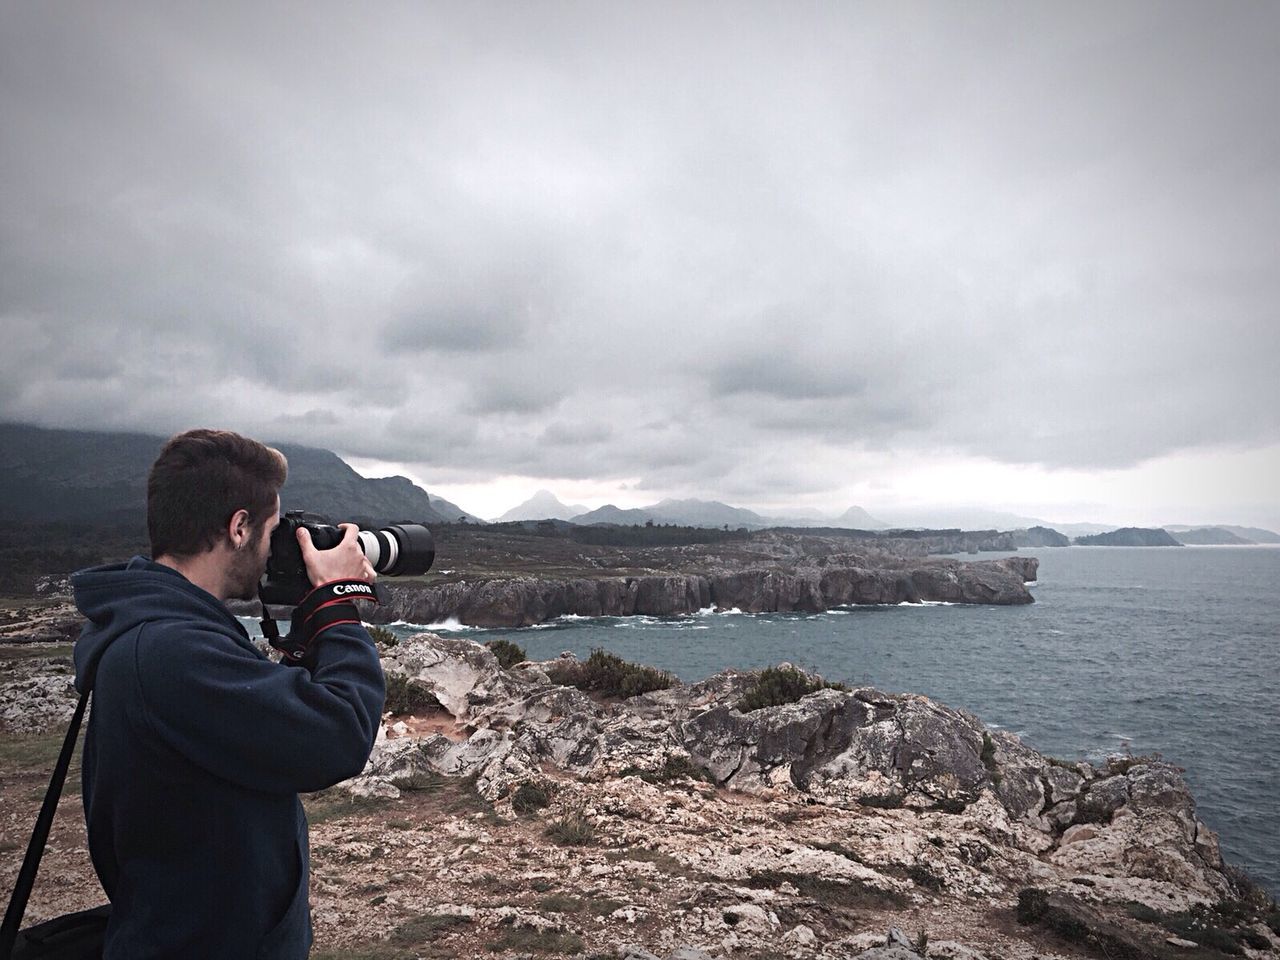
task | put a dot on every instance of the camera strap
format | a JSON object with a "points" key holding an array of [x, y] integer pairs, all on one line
{"points": [[327, 605], [44, 823]]}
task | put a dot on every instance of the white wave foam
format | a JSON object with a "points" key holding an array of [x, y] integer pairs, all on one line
{"points": [[451, 625]]}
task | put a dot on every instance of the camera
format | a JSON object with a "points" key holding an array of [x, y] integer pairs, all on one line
{"points": [[399, 550]]}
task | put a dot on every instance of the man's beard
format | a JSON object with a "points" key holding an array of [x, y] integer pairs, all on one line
{"points": [[247, 568]]}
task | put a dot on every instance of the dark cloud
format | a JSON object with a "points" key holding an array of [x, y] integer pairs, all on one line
{"points": [[709, 250]]}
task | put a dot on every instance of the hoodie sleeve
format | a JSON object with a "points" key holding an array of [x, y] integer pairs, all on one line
{"points": [[257, 723]]}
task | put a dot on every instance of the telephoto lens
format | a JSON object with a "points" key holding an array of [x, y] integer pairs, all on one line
{"points": [[402, 550], [398, 550]]}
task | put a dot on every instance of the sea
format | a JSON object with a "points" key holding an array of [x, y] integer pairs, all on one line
{"points": [[1165, 650]]}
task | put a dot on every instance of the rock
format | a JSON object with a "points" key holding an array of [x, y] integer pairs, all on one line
{"points": [[689, 953], [889, 953], [628, 951], [523, 601], [800, 935], [1179, 942], [897, 938]]}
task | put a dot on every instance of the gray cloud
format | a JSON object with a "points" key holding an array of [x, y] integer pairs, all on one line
{"points": [[481, 242]]}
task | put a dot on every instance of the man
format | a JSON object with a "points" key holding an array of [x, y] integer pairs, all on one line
{"points": [[198, 744]]}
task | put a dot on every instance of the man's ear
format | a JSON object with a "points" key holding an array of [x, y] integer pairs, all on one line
{"points": [[240, 529]]}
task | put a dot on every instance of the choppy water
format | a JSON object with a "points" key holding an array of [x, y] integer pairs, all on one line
{"points": [[1156, 649]]}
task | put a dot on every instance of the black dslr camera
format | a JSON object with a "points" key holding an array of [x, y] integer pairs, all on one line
{"points": [[400, 550]]}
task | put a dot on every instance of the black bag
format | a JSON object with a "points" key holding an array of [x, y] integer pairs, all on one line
{"points": [[73, 936]]}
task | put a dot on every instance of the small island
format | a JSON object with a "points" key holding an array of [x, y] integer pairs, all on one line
{"points": [[1130, 537]]}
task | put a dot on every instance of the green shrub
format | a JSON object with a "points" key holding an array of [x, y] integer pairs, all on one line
{"points": [[427, 927], [406, 696], [524, 940], [1032, 904], [674, 767], [775, 686], [508, 653], [611, 676], [988, 757], [530, 796], [571, 830], [382, 636]]}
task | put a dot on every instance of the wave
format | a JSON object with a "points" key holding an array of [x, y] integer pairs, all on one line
{"points": [[449, 625]]}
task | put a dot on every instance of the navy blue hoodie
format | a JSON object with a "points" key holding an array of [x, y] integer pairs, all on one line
{"points": [[196, 750]]}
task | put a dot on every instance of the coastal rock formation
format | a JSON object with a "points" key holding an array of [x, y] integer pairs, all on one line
{"points": [[1130, 537], [523, 601], [1040, 537], [1124, 831]]}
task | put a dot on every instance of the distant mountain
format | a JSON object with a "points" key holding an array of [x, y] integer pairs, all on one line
{"points": [[855, 518], [1204, 536], [95, 478], [1248, 534], [611, 514], [705, 513], [1130, 537], [543, 505], [684, 513]]}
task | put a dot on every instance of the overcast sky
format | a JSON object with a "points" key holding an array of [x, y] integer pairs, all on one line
{"points": [[1021, 255]]}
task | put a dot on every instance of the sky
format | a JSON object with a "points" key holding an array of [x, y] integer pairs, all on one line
{"points": [[784, 255]]}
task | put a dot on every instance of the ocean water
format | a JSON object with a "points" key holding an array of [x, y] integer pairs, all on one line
{"points": [[1166, 650]]}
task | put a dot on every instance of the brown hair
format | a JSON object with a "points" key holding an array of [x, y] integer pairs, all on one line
{"points": [[200, 479]]}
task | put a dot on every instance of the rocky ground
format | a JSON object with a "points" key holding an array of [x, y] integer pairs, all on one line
{"points": [[505, 814]]}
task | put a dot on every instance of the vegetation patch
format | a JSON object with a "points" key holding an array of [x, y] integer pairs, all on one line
{"points": [[829, 893], [775, 686], [988, 757], [571, 830], [674, 767], [881, 801], [405, 696], [508, 653], [609, 675], [428, 927], [841, 849], [536, 941], [1224, 926], [922, 876], [530, 796], [327, 805], [383, 637]]}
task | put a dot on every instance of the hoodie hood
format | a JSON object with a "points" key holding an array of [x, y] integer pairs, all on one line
{"points": [[118, 597]]}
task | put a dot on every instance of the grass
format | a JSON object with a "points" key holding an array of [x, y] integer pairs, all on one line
{"points": [[883, 801], [36, 752], [564, 903], [406, 696], [663, 861], [508, 653], [775, 686], [530, 796], [536, 941], [1223, 926], [609, 675], [427, 928], [828, 893], [571, 830], [383, 637], [988, 757], [34, 651], [674, 767]]}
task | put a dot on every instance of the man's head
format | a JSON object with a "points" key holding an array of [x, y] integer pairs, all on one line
{"points": [[215, 494]]}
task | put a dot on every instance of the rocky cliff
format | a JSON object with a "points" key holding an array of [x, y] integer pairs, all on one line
{"points": [[810, 827], [522, 601]]}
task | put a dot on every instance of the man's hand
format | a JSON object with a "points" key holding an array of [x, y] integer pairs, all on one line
{"points": [[346, 561]]}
